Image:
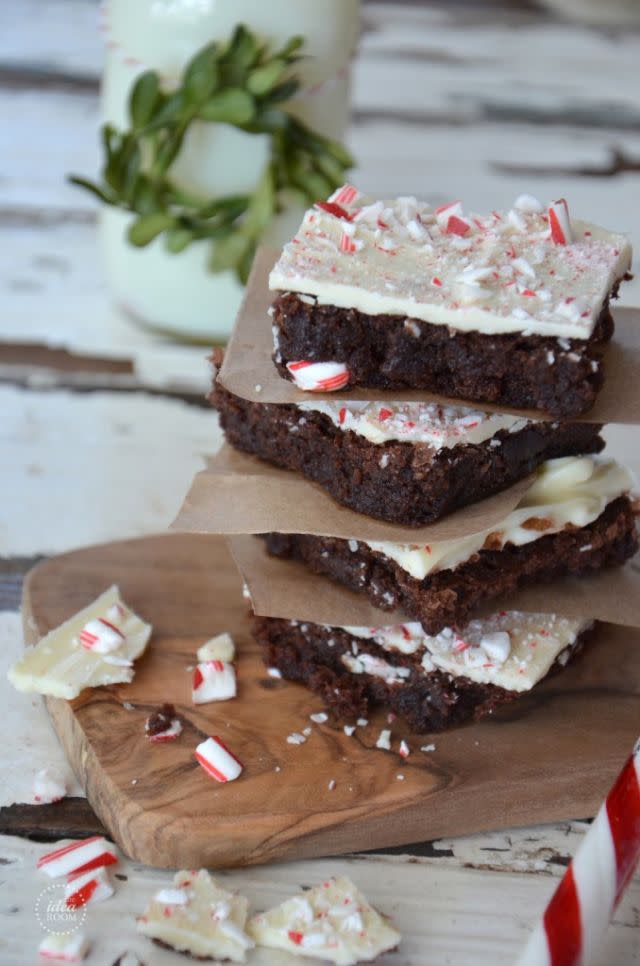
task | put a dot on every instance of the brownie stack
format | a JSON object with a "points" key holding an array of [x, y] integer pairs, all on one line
{"points": [[501, 321]]}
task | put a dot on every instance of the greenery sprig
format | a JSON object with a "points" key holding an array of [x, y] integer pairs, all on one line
{"points": [[244, 83]]}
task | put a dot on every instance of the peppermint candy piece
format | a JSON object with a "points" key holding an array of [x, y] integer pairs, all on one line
{"points": [[346, 195], [219, 648], [213, 681], [78, 857], [319, 376], [101, 636], [217, 760], [86, 887], [48, 787], [64, 948], [559, 223]]}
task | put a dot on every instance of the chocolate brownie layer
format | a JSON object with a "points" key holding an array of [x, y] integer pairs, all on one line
{"points": [[561, 377], [311, 654], [447, 598], [405, 483]]}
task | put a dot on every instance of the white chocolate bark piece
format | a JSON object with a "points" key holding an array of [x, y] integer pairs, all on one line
{"points": [[572, 490], [219, 648], [431, 424], [64, 947], [196, 916], [511, 650], [61, 666], [494, 273], [333, 921]]}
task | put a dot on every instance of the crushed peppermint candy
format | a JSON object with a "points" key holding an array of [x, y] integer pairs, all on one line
{"points": [[435, 425], [217, 760], [384, 740], [319, 717], [48, 787], [403, 258], [296, 738]]}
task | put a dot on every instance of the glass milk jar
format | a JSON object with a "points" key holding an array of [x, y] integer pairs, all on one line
{"points": [[177, 292]]}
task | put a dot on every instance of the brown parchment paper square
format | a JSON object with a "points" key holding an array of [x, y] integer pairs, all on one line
{"points": [[285, 588], [238, 493], [248, 365]]}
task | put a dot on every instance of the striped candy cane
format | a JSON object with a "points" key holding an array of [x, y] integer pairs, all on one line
{"points": [[577, 917]]}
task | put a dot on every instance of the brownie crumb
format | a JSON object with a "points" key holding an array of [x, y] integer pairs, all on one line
{"points": [[160, 720]]}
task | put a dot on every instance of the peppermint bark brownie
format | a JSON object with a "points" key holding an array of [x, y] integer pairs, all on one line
{"points": [[406, 463], [510, 308], [576, 519], [433, 682]]}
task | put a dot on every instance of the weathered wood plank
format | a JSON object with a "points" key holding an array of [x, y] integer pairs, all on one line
{"points": [[92, 467], [446, 914]]}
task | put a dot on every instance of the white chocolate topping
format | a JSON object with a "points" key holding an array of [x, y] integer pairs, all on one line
{"points": [[434, 425], [61, 666], [511, 650], [495, 273], [196, 916], [332, 921], [573, 490]]}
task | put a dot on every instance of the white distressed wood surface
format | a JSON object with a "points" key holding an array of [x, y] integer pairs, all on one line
{"points": [[447, 913], [451, 99]]}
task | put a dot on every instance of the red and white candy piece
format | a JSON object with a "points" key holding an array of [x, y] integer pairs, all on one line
{"points": [[219, 648], [559, 223], [444, 212], [86, 887], [48, 787], [575, 920], [64, 947], [169, 734], [346, 195], [101, 636], [78, 857], [213, 681], [319, 376], [217, 760]]}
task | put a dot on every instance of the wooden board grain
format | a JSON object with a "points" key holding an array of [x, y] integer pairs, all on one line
{"points": [[552, 756]]}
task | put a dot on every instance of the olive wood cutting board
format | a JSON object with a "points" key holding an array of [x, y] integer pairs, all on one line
{"points": [[549, 757]]}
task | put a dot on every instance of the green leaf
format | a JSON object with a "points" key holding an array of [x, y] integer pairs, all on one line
{"points": [[283, 92], [262, 79], [177, 239], [227, 252], [201, 75], [262, 205], [143, 98], [243, 48], [168, 151], [147, 227], [94, 189], [145, 200], [171, 110], [233, 106], [291, 46], [330, 168]]}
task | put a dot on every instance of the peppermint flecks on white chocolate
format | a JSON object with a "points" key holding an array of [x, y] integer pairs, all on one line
{"points": [[509, 649], [434, 425], [532, 269]]}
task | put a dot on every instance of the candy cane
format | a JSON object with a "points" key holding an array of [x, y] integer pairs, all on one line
{"points": [[86, 887], [319, 376], [78, 857], [217, 760], [576, 919]]}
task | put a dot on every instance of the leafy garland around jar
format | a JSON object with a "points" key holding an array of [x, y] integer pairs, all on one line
{"points": [[243, 83]]}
